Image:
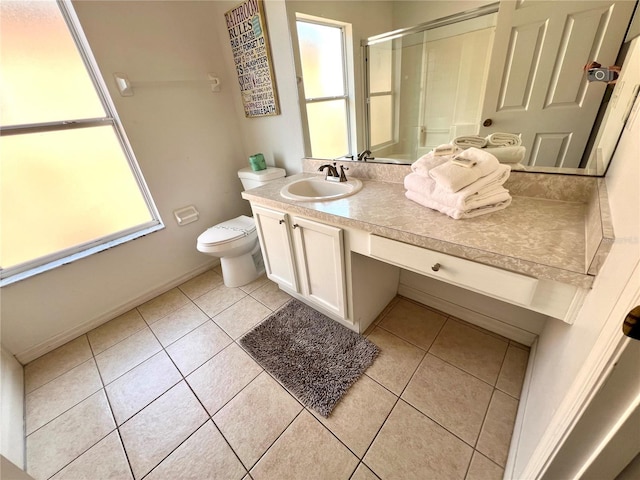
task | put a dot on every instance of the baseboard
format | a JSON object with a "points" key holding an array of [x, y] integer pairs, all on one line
{"points": [[496, 326], [522, 410], [42, 348]]}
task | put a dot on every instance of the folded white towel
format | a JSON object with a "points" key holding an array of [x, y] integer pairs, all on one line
{"points": [[455, 177], [468, 198], [501, 139], [466, 141], [454, 212], [508, 154], [430, 160]]}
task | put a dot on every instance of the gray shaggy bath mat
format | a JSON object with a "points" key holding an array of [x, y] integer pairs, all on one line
{"points": [[315, 357]]}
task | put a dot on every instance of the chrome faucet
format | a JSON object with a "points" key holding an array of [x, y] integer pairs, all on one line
{"points": [[364, 156]]}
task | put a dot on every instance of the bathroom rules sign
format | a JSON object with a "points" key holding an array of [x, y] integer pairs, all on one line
{"points": [[250, 46]]}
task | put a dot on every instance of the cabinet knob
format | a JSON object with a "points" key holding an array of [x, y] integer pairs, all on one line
{"points": [[295, 225], [488, 122], [280, 222], [435, 267]]}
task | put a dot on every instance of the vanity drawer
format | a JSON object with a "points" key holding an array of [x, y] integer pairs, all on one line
{"points": [[491, 281]]}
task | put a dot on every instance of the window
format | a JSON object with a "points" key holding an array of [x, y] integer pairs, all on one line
{"points": [[70, 185], [381, 106], [327, 100]]}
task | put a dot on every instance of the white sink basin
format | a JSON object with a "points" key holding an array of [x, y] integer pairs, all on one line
{"points": [[317, 189]]}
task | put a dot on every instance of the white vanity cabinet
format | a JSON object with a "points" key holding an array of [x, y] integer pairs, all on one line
{"points": [[304, 257]]}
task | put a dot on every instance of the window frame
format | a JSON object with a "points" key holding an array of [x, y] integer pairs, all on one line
{"points": [[347, 68], [48, 262], [393, 120]]}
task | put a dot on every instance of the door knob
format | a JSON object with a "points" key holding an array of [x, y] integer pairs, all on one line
{"points": [[488, 122], [631, 323]]}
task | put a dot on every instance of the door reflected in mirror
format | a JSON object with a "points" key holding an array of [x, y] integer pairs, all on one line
{"points": [[430, 74]]}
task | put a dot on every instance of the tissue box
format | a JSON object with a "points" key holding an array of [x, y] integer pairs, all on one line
{"points": [[257, 162]]}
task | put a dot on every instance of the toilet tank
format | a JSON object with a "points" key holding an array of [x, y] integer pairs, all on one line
{"points": [[251, 179]]}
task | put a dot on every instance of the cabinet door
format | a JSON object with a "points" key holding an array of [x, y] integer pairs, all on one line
{"points": [[320, 261], [275, 242]]}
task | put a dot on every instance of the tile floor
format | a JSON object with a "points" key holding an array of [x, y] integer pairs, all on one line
{"points": [[165, 392]]}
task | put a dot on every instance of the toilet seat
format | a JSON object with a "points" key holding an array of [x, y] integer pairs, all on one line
{"points": [[227, 232]]}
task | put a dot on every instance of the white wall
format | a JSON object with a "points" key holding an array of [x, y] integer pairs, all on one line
{"points": [[411, 12], [189, 145], [563, 349], [11, 409], [279, 137]]}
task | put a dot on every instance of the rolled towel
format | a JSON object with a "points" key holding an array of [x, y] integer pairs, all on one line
{"points": [[430, 160], [508, 154], [466, 141], [486, 189], [454, 177], [456, 213], [501, 139]]}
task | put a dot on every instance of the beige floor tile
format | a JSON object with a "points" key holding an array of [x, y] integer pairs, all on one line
{"points": [[59, 395], [253, 420], [197, 347], [218, 299], [221, 378], [513, 371], [306, 450], [56, 362], [455, 399], [470, 349], [397, 361], [482, 468], [141, 385], [73, 432], [495, 436], [177, 324], [204, 455], [270, 295], [157, 430], [201, 284], [363, 473], [411, 446], [413, 323], [359, 414], [125, 355], [241, 317], [114, 331], [106, 459], [257, 283], [162, 305]]}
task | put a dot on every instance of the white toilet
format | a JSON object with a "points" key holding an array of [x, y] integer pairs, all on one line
{"points": [[235, 241]]}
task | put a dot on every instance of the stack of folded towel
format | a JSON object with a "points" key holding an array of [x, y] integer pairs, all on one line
{"points": [[506, 147], [439, 182]]}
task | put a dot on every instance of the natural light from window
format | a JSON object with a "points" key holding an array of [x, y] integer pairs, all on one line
{"points": [[67, 180], [323, 72]]}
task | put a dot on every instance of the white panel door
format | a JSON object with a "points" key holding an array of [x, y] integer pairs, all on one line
{"points": [[320, 260], [537, 87], [275, 242]]}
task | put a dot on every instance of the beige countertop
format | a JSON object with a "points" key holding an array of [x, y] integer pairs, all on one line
{"points": [[539, 237]]}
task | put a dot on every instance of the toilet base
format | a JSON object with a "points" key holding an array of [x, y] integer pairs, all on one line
{"points": [[243, 269]]}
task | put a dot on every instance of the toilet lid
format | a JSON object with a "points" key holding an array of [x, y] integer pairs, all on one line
{"points": [[228, 231]]}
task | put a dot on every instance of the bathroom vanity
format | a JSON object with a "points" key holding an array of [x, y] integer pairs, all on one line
{"points": [[343, 256]]}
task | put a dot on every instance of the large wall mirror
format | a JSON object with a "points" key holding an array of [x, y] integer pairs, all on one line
{"points": [[426, 72]]}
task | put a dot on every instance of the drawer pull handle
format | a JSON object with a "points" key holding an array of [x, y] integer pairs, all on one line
{"points": [[280, 222], [435, 267]]}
